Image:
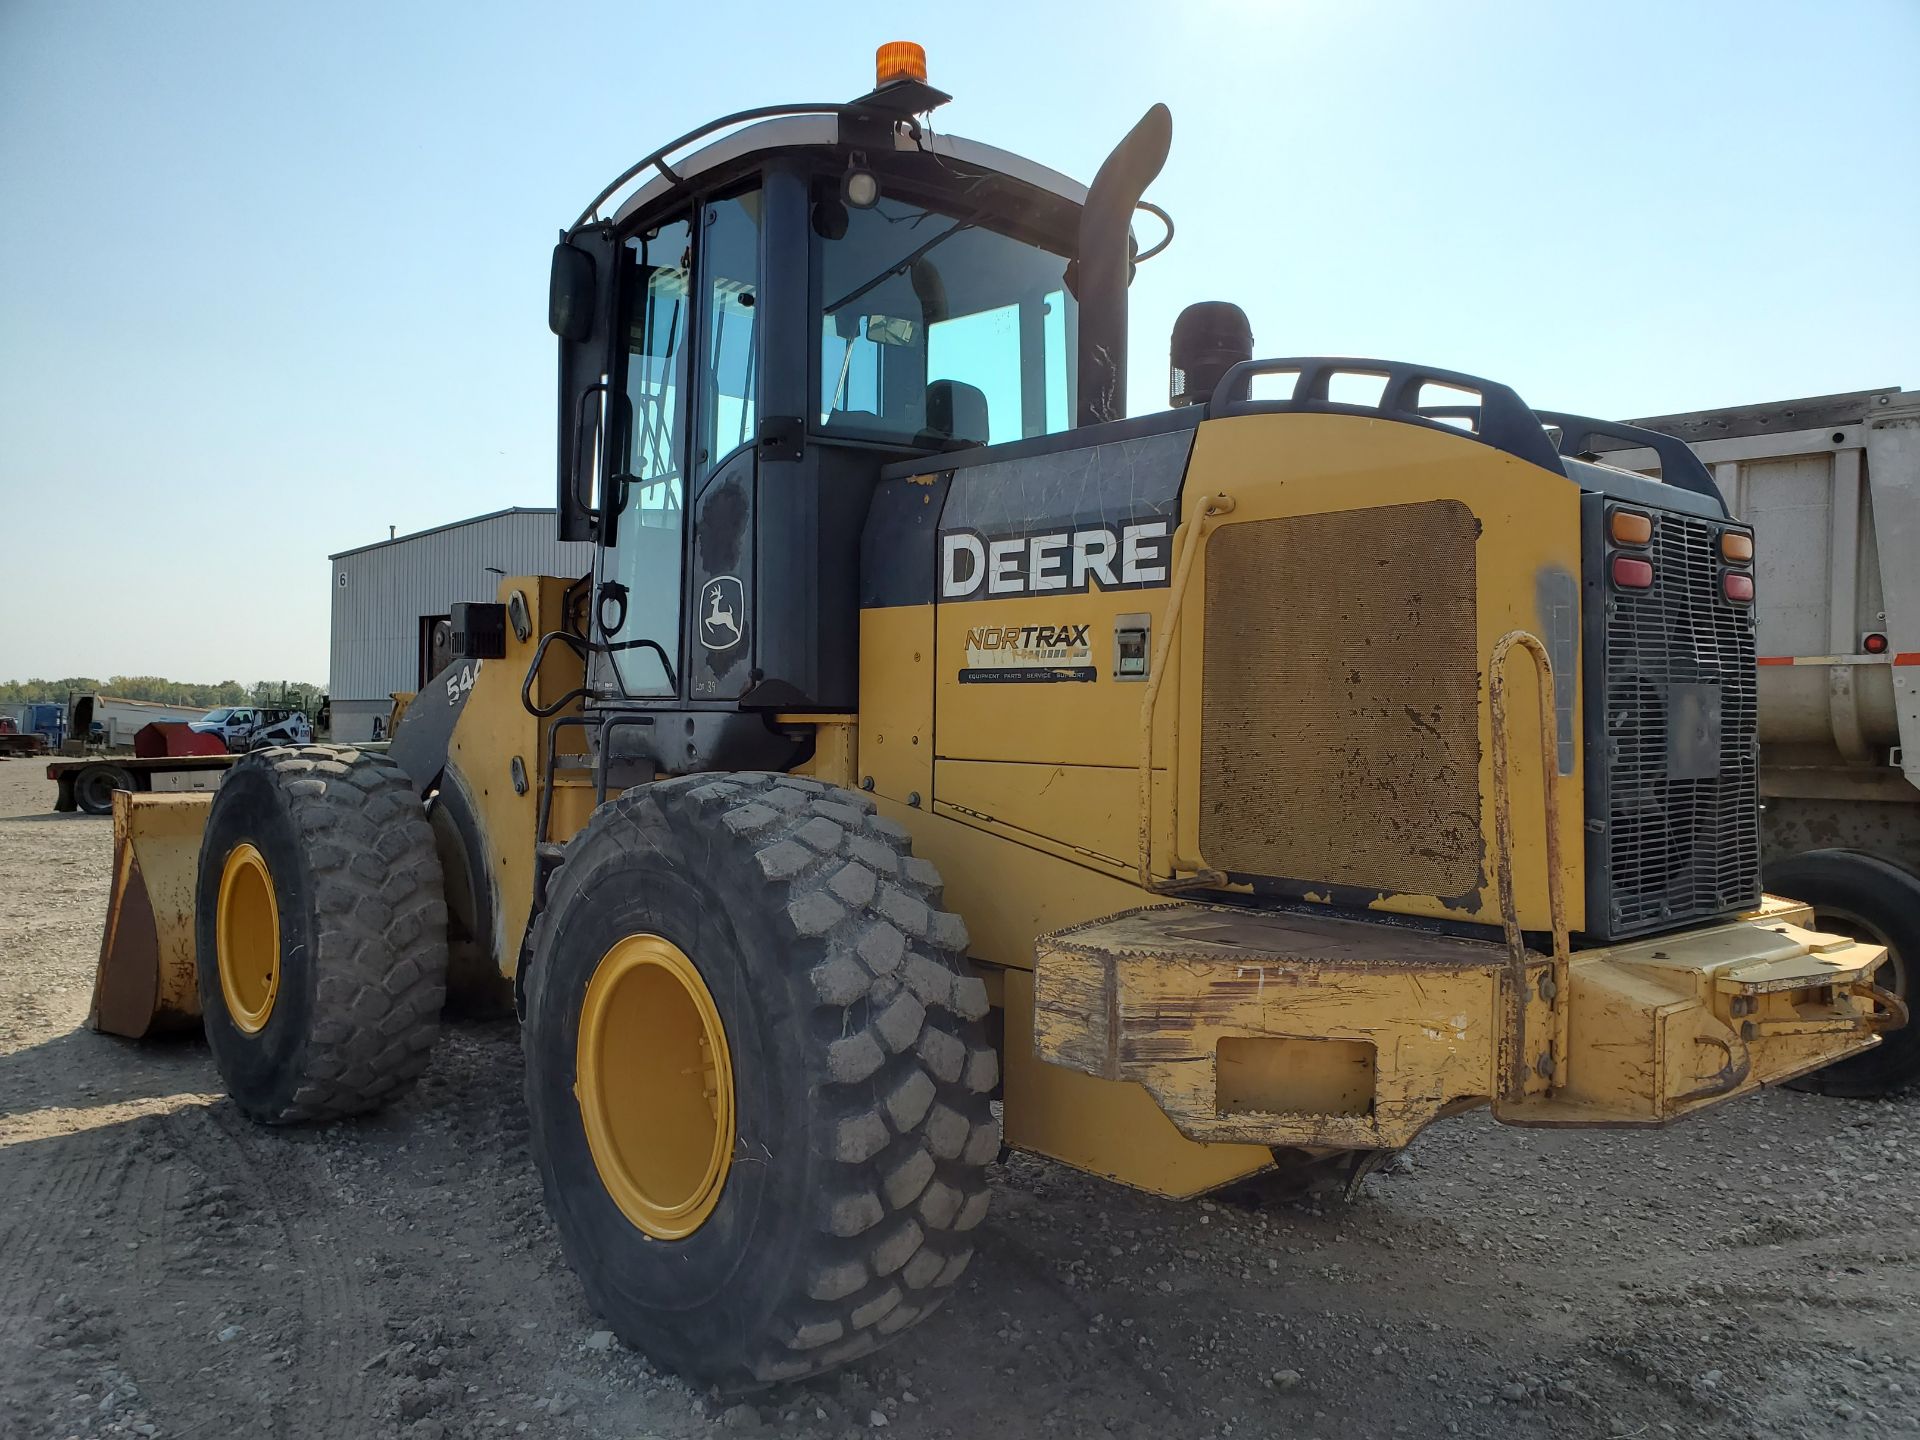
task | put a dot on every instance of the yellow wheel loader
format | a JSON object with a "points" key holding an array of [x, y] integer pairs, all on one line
{"points": [[1239, 787]]}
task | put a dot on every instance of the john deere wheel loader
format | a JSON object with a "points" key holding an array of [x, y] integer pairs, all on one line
{"points": [[1253, 782]]}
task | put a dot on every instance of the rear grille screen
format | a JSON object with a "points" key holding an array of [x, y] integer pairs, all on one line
{"points": [[1680, 769]]}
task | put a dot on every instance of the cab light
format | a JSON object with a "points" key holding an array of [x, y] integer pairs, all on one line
{"points": [[899, 60], [1736, 547], [1738, 585], [1630, 527], [1874, 644], [1631, 573]]}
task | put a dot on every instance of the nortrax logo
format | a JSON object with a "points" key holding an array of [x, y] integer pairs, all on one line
{"points": [[1128, 556], [1028, 637]]}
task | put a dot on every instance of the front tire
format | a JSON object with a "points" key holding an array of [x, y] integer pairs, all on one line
{"points": [[770, 1165], [321, 934], [1870, 899]]}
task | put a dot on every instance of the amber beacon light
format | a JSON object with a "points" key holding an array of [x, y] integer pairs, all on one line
{"points": [[899, 60]]}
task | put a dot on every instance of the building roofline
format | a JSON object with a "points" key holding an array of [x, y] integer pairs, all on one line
{"points": [[450, 525]]}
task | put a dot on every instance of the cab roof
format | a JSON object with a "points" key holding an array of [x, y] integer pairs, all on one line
{"points": [[825, 131]]}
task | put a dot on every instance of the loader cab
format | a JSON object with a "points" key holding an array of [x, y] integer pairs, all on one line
{"points": [[747, 341]]}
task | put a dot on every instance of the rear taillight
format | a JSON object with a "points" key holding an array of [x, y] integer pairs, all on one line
{"points": [[1632, 573], [1737, 585]]}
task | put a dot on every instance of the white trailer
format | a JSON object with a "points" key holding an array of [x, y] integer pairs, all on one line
{"points": [[110, 722], [1831, 486]]}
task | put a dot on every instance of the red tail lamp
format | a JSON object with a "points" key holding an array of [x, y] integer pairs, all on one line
{"points": [[1874, 644], [1632, 573], [1738, 585]]}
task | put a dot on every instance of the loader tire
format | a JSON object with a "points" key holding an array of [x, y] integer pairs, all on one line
{"points": [[843, 1037], [321, 933], [1870, 899]]}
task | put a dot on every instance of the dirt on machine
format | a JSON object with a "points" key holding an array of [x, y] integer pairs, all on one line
{"points": [[937, 758]]}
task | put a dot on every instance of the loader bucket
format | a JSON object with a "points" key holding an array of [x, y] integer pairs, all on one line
{"points": [[146, 984]]}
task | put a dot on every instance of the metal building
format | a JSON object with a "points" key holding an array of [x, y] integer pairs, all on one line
{"points": [[392, 601]]}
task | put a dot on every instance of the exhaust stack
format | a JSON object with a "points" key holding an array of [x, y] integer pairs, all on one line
{"points": [[1104, 264]]}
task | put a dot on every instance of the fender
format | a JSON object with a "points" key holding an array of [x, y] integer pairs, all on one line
{"points": [[421, 738]]}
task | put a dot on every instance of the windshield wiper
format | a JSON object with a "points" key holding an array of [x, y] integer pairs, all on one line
{"points": [[901, 266]]}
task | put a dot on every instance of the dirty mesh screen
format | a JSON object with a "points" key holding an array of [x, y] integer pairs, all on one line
{"points": [[1679, 846], [1340, 700]]}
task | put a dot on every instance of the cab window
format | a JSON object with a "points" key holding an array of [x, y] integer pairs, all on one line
{"points": [[936, 330], [690, 377], [639, 606]]}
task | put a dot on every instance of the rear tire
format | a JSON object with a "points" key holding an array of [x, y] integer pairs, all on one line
{"points": [[322, 976], [94, 786], [857, 1084], [1870, 899]]}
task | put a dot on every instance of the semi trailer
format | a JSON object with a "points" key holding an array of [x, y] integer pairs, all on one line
{"points": [[1831, 486]]}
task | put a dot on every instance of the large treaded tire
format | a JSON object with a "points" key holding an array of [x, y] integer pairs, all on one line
{"points": [[1870, 899], [862, 1074], [363, 933]]}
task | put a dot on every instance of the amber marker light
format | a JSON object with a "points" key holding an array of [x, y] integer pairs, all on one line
{"points": [[899, 60], [1737, 548], [1630, 527]]}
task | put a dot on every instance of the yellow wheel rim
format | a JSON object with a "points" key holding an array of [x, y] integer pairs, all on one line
{"points": [[247, 938], [654, 1081]]}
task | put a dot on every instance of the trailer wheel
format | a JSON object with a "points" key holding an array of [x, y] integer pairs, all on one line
{"points": [[1870, 899], [321, 933], [757, 1077], [93, 787]]}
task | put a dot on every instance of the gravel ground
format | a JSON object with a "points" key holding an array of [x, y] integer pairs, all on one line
{"points": [[168, 1269]]}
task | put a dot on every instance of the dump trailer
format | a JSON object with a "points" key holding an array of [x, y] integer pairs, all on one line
{"points": [[1831, 485], [1229, 790], [111, 722]]}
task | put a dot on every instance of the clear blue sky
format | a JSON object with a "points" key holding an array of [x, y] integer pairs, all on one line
{"points": [[272, 278]]}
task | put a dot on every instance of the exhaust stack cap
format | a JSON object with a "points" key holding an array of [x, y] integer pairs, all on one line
{"points": [[1210, 337]]}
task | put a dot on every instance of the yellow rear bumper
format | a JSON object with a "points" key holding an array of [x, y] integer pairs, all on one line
{"points": [[1283, 1028]]}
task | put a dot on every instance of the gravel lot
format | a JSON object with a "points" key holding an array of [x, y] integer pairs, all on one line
{"points": [[168, 1269]]}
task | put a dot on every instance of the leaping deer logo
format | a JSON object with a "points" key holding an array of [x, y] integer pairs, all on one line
{"points": [[720, 622]]}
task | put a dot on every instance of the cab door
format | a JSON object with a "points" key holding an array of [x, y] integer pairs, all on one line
{"points": [[674, 592], [637, 590]]}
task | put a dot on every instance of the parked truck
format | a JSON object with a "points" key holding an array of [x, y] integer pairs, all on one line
{"points": [[1831, 486]]}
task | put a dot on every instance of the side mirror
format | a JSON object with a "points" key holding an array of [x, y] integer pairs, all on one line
{"points": [[570, 293], [889, 330]]}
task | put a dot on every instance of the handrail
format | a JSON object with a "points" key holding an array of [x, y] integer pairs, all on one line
{"points": [[1517, 952], [1680, 467], [1502, 419], [1189, 541], [739, 117]]}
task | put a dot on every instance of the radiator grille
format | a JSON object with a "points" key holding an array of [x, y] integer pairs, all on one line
{"points": [[1681, 844], [1340, 735]]}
